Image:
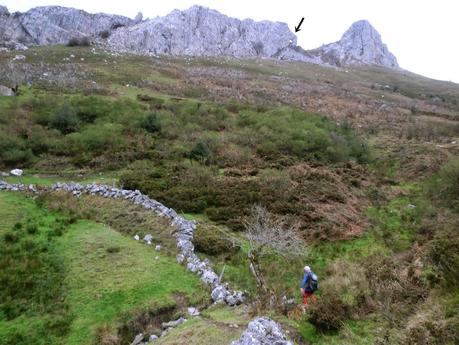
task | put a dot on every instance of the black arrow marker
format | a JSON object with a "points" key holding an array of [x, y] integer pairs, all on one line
{"points": [[297, 28]]}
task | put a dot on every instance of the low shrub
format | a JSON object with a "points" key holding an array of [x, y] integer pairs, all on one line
{"points": [[104, 34], [14, 151], [328, 312], [443, 252], [65, 119], [79, 42], [200, 152], [211, 240], [444, 186], [151, 123]]}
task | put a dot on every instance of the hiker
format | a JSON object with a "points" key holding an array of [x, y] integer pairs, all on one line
{"points": [[308, 285]]}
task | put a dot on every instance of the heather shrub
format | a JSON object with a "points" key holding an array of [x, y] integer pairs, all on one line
{"points": [[443, 252], [14, 151], [151, 123], [328, 312], [348, 281], [212, 240], [444, 186]]}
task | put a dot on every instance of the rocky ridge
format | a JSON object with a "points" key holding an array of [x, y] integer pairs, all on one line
{"points": [[197, 31]]}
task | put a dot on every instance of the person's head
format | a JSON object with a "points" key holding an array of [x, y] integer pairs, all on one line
{"points": [[307, 269]]}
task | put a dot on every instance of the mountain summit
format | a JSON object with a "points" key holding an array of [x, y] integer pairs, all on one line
{"points": [[197, 31], [360, 44]]}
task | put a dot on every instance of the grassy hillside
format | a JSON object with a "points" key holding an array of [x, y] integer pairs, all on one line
{"points": [[102, 275], [361, 162]]}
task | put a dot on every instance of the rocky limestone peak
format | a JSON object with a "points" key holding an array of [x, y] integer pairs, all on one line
{"points": [[196, 31], [138, 18], [200, 31], [4, 11], [360, 44]]}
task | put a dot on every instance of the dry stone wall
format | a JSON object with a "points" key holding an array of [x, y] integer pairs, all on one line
{"points": [[184, 234]]}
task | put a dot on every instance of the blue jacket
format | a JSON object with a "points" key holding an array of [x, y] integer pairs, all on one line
{"points": [[304, 283]]}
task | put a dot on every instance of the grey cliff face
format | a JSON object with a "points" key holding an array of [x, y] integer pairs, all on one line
{"points": [[198, 31], [56, 25], [360, 44]]}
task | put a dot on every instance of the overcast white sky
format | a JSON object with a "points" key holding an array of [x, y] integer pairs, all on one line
{"points": [[423, 34]]}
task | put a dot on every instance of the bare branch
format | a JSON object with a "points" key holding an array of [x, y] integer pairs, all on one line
{"points": [[266, 234]]}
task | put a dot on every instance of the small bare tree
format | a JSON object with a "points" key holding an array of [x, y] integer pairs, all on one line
{"points": [[267, 236]]}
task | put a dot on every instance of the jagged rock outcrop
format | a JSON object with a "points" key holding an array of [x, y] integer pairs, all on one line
{"points": [[200, 31], [360, 44], [56, 25], [197, 31], [4, 11]]}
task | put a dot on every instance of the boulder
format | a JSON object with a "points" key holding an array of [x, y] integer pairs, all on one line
{"points": [[209, 277], [219, 293], [16, 172], [172, 324], [6, 91], [263, 331], [138, 339], [148, 238], [153, 337], [192, 311], [180, 258], [235, 298]]}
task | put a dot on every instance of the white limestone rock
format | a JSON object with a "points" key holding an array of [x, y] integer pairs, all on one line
{"points": [[263, 331]]}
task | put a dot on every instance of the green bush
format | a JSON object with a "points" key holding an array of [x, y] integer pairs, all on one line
{"points": [[212, 240], [94, 139], [292, 132], [13, 151], [444, 186], [328, 312], [443, 251], [65, 119], [200, 152], [89, 109], [151, 123]]}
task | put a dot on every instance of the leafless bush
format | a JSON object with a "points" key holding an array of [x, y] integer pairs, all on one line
{"points": [[266, 236]]}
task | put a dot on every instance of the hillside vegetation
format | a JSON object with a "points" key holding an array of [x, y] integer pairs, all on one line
{"points": [[361, 163]]}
